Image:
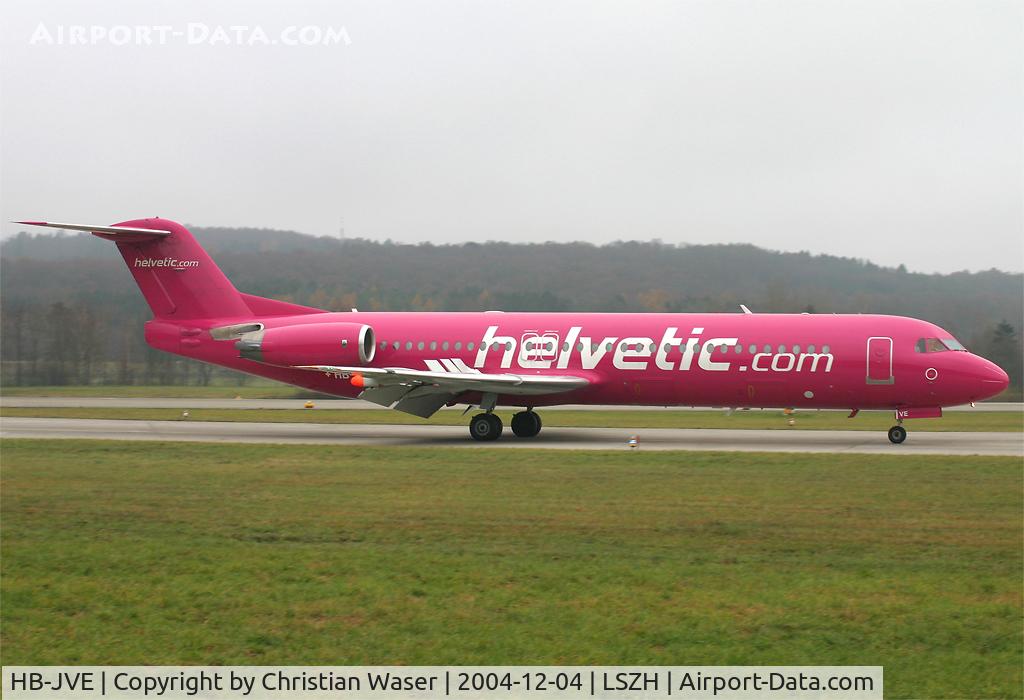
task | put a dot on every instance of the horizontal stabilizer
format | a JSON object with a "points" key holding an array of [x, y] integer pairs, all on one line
{"points": [[112, 231]]}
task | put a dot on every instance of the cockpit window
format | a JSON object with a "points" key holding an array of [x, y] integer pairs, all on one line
{"points": [[936, 345]]}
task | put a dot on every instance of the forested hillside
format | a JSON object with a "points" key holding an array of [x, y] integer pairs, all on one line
{"points": [[71, 312]]}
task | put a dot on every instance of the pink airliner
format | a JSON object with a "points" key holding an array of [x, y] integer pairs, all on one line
{"points": [[419, 362]]}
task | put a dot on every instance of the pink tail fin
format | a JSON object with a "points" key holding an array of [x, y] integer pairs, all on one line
{"points": [[177, 277]]}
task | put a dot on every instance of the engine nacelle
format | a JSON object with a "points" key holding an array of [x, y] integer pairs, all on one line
{"points": [[311, 344]]}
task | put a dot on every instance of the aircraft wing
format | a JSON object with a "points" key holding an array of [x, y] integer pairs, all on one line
{"points": [[423, 392]]}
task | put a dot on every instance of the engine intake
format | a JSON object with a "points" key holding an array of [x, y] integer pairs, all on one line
{"points": [[311, 344]]}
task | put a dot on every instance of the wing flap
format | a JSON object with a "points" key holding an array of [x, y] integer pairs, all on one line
{"points": [[423, 405], [419, 401]]}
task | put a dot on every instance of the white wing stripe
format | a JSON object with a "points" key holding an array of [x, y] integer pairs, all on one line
{"points": [[450, 365], [434, 366], [463, 367]]}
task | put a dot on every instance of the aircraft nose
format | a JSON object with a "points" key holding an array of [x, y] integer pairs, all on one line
{"points": [[993, 379]]}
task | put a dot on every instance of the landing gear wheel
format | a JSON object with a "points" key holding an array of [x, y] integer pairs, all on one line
{"points": [[897, 434], [526, 424], [485, 426]]}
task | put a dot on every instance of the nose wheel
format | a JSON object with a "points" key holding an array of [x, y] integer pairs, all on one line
{"points": [[526, 424], [897, 434], [485, 427]]}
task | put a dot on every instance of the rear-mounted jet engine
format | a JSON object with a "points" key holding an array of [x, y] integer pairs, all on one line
{"points": [[310, 344]]}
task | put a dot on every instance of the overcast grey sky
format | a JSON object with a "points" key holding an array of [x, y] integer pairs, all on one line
{"points": [[885, 130]]}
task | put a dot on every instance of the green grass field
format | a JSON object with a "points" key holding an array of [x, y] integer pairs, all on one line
{"points": [[879, 421], [179, 553]]}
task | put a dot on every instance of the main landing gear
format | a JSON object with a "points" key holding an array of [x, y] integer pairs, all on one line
{"points": [[526, 424], [487, 426]]}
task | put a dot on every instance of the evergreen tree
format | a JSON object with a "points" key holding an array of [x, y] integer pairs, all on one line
{"points": [[1005, 351]]}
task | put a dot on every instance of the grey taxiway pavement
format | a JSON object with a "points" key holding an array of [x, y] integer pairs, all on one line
{"points": [[832, 441]]}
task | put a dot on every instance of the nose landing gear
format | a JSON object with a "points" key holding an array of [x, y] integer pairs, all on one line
{"points": [[897, 434]]}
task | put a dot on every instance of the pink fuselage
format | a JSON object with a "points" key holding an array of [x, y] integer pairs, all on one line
{"points": [[758, 360]]}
